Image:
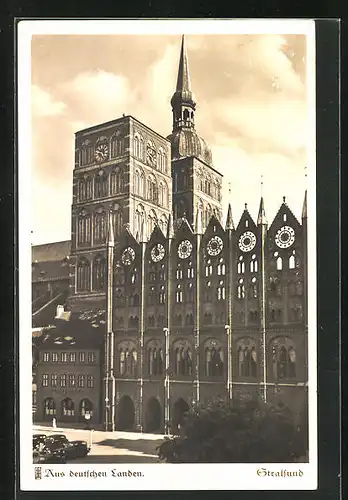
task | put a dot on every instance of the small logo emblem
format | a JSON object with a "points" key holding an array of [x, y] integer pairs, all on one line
{"points": [[38, 473]]}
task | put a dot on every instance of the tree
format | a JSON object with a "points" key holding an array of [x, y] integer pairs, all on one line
{"points": [[238, 432]]}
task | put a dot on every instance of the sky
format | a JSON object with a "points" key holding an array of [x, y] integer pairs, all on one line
{"points": [[252, 108]]}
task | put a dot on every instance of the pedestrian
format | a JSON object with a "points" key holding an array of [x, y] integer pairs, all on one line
{"points": [[54, 422]]}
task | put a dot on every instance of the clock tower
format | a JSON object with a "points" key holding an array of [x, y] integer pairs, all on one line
{"points": [[196, 184], [122, 167]]}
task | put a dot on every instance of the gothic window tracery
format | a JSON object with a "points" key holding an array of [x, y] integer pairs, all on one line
{"points": [[116, 146], [101, 185], [152, 220], [127, 359], [87, 153], [85, 188], [117, 181], [139, 182], [246, 358], [283, 351], [155, 358], [182, 358], [117, 218], [139, 219], [214, 359], [84, 228], [99, 270], [83, 275], [152, 191], [100, 226]]}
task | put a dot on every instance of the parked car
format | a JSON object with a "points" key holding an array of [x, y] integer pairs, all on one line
{"points": [[55, 449], [49, 456], [77, 449], [38, 441]]}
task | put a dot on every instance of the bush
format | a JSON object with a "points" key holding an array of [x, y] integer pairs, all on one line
{"points": [[238, 432]]}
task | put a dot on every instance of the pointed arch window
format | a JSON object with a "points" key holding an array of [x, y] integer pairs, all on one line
{"points": [[83, 275], [116, 146], [179, 272], [49, 407], [117, 181], [221, 292], [85, 188], [208, 213], [117, 219], [152, 220], [152, 191], [214, 360], [279, 263], [155, 361], [208, 268], [183, 359], [284, 359], [84, 229], [151, 296], [221, 268], [99, 270], [100, 226], [87, 153], [189, 292], [101, 185], [241, 265], [162, 295], [139, 182], [241, 290], [292, 262], [253, 264], [246, 358], [178, 294], [68, 407]]}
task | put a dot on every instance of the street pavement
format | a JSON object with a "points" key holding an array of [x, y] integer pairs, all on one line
{"points": [[111, 447]]}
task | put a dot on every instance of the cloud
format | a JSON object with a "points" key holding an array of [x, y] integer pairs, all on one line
{"points": [[251, 129], [43, 104]]}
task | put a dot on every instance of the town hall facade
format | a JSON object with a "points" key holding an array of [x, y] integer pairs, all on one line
{"points": [[187, 309]]}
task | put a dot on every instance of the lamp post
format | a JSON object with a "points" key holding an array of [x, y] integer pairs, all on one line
{"points": [[166, 382], [229, 361], [107, 408]]}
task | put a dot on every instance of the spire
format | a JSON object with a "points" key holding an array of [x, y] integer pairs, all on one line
{"points": [[170, 227], [183, 102], [183, 83], [198, 224], [111, 238], [261, 218], [229, 219], [304, 208]]}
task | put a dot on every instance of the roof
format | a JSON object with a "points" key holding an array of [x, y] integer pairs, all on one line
{"points": [[77, 332], [49, 270], [45, 315], [51, 251]]}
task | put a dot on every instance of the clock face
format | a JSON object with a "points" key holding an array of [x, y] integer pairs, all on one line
{"points": [[128, 256], [185, 249], [215, 245], [157, 252], [247, 241], [101, 152], [285, 237]]}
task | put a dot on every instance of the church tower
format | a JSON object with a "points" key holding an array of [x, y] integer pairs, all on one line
{"points": [[196, 184]]}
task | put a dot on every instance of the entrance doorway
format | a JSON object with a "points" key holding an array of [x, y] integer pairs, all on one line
{"points": [[179, 409], [153, 416], [125, 414]]}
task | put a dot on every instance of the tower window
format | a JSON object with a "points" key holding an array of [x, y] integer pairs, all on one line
{"points": [[279, 264], [292, 262], [284, 217]]}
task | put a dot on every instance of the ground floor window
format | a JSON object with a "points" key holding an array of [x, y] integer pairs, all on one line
{"points": [[68, 408], [49, 407]]}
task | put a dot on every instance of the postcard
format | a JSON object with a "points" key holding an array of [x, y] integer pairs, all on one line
{"points": [[167, 255]]}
